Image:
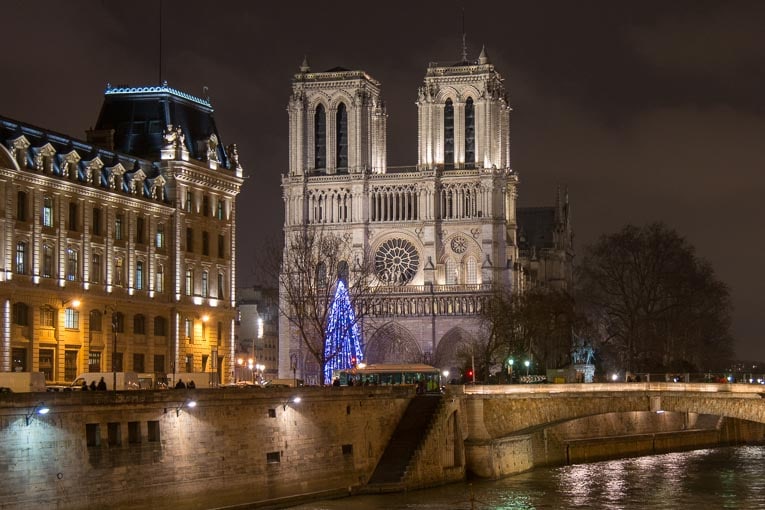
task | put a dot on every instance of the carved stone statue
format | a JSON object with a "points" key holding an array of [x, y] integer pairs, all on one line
{"points": [[233, 156]]}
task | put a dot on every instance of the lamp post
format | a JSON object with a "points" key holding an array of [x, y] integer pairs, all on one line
{"points": [[510, 369], [114, 345], [527, 363], [293, 365]]}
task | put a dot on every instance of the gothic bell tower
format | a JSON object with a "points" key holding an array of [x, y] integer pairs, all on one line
{"points": [[463, 117], [336, 123]]}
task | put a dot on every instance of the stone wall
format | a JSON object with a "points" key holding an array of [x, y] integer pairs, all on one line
{"points": [[149, 450]]}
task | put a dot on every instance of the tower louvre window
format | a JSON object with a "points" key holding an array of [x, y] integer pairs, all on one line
{"points": [[320, 138], [469, 133], [342, 136], [448, 134]]}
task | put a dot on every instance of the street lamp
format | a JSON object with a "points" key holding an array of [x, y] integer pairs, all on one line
{"points": [[527, 363]]}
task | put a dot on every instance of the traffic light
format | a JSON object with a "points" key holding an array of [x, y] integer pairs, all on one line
{"points": [[353, 361], [470, 374]]}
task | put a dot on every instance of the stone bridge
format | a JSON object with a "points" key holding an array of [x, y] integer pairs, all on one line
{"points": [[503, 423]]}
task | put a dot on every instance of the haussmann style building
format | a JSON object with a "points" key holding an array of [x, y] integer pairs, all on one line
{"points": [[118, 251]]}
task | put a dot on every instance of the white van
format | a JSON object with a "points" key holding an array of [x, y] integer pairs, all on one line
{"points": [[22, 382], [125, 380]]}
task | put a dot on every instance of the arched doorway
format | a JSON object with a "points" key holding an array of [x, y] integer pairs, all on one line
{"points": [[393, 343], [451, 351]]}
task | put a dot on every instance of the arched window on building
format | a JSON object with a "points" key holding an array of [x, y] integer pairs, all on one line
{"points": [[342, 272], [469, 134], [321, 274], [342, 137], [472, 271], [448, 134], [320, 138], [451, 272]]}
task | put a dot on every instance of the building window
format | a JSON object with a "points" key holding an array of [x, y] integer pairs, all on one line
{"points": [[72, 264], [119, 268], [153, 431], [159, 363], [47, 261], [347, 449], [95, 270], [205, 243], [342, 136], [449, 134], [221, 288], [188, 201], [114, 433], [189, 282], [188, 329], [118, 362], [220, 332], [138, 362], [139, 324], [160, 237], [469, 133], [451, 272], [73, 216], [94, 361], [320, 138], [134, 430], [221, 246], [21, 257], [189, 363], [46, 363], [160, 328], [93, 434], [139, 275], [70, 365], [139, 229], [118, 234], [48, 317], [205, 284], [96, 221], [47, 217], [189, 239], [159, 277], [219, 213], [95, 319], [71, 319], [472, 271], [21, 206], [20, 314], [206, 206], [273, 457]]}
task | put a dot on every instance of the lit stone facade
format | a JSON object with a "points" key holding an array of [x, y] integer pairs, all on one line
{"points": [[442, 233], [137, 224]]}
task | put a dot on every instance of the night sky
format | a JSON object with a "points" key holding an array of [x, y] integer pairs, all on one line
{"points": [[644, 110]]}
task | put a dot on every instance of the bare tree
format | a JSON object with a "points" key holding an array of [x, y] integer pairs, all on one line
{"points": [[657, 304], [314, 264]]}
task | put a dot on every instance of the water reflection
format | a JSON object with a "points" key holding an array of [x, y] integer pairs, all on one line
{"points": [[715, 478]]}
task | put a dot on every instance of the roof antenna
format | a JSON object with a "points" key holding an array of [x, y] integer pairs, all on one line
{"points": [[464, 44], [160, 42]]}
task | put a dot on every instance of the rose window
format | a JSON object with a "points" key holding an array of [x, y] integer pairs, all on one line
{"points": [[459, 245], [396, 261]]}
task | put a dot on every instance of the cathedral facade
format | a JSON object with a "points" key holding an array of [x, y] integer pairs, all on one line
{"points": [[441, 234]]}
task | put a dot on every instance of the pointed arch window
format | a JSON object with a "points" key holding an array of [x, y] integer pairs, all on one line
{"points": [[451, 272], [448, 134], [469, 133], [342, 136], [320, 138], [472, 271]]}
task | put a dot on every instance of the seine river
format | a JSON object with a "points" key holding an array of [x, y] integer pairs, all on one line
{"points": [[702, 479]]}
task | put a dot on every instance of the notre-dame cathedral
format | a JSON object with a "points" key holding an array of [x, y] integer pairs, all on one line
{"points": [[442, 233]]}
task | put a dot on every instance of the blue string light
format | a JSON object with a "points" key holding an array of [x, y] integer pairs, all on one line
{"points": [[342, 340]]}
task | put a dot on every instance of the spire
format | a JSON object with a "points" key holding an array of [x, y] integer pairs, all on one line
{"points": [[464, 43], [304, 67], [483, 58]]}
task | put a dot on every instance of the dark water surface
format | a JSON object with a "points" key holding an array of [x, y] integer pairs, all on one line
{"points": [[703, 479]]}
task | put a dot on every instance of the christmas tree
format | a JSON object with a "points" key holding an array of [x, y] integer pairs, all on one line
{"points": [[342, 340]]}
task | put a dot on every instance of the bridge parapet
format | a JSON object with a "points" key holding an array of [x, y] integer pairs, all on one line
{"points": [[494, 412]]}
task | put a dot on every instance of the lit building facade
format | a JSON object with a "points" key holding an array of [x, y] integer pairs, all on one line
{"points": [[257, 337], [136, 226], [442, 233]]}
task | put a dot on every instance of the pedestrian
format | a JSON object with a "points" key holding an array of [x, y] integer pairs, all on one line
{"points": [[84, 386], [102, 385], [93, 386], [336, 382], [180, 385], [191, 385]]}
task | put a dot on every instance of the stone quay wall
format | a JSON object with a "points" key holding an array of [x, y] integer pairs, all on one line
{"points": [[146, 449]]}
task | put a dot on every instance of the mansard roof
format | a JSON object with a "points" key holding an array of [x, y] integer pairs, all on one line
{"points": [[85, 157], [140, 115]]}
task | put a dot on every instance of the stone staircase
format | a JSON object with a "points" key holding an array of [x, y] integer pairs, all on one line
{"points": [[409, 434]]}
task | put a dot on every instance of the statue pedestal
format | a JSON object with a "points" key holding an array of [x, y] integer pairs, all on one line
{"points": [[584, 372]]}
